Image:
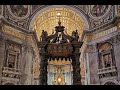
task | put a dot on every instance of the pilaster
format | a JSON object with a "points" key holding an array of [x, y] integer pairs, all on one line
{"points": [[2, 52]]}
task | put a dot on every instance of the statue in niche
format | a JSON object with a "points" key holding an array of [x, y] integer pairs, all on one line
{"points": [[44, 35], [19, 10], [12, 55], [107, 60], [11, 61]]}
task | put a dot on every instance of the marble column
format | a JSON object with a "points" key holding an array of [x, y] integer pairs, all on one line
{"points": [[117, 53], [43, 64], [26, 65], [22, 64], [29, 65], [2, 54], [92, 64], [76, 63], [43, 71], [76, 69], [2, 48]]}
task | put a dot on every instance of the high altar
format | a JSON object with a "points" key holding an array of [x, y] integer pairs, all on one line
{"points": [[60, 46]]}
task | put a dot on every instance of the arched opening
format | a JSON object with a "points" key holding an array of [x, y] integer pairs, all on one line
{"points": [[47, 19], [109, 83], [9, 84]]}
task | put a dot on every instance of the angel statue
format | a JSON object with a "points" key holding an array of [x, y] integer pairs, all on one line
{"points": [[75, 35], [44, 35]]}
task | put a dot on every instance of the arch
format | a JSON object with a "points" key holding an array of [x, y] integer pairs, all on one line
{"points": [[9, 83], [110, 82], [80, 12], [105, 45]]}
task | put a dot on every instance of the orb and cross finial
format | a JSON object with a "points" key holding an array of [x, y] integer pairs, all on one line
{"points": [[59, 15]]}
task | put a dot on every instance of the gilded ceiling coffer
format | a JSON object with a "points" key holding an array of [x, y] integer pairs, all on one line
{"points": [[59, 45]]}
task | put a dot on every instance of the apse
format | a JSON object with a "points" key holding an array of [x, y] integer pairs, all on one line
{"points": [[49, 18]]}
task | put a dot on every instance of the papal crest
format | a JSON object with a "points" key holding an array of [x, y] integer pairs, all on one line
{"points": [[19, 10]]}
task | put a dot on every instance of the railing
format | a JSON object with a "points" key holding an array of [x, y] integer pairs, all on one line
{"points": [[106, 70], [11, 73], [11, 69]]}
